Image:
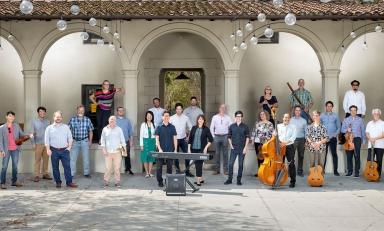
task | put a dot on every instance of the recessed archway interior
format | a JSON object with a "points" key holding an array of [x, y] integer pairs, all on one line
{"points": [[12, 83], [180, 50], [69, 64], [366, 66]]}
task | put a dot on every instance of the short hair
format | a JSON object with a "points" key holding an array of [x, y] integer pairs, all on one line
{"points": [[266, 114], [57, 112], [203, 117], [80, 106], [376, 110], [193, 97], [316, 112], [156, 98], [297, 106], [353, 106], [329, 102], [106, 80], [287, 114], [112, 117], [10, 113], [166, 112], [300, 80], [179, 105], [355, 81], [239, 113], [119, 108], [41, 108]]}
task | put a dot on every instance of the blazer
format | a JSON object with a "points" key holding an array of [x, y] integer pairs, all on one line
{"points": [[4, 136], [205, 137]]}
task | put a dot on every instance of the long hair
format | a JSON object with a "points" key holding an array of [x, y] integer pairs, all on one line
{"points": [[266, 115], [153, 117], [197, 119]]}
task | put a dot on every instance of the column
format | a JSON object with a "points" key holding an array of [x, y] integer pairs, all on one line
{"points": [[231, 90], [32, 94]]}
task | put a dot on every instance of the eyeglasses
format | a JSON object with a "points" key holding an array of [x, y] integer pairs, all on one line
{"points": [[268, 89], [9, 130], [355, 85]]}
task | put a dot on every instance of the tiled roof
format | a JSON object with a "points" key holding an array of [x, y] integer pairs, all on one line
{"points": [[195, 9]]}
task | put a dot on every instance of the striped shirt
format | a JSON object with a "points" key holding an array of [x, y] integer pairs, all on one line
{"points": [[104, 100], [80, 127], [304, 96], [58, 135]]}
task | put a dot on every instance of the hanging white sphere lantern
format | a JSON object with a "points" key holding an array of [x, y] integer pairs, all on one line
{"points": [[75, 9], [84, 35], [249, 26], [26, 7], [378, 29], [353, 34], [290, 19], [254, 40], [61, 25], [243, 46], [116, 35], [106, 29], [268, 32], [278, 3], [261, 17], [239, 33], [92, 22], [235, 49], [11, 37], [100, 42]]}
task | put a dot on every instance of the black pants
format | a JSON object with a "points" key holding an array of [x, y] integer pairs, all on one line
{"points": [[378, 153], [127, 159], [290, 155], [354, 154], [102, 117], [159, 166], [299, 146], [198, 164], [259, 161], [183, 146], [332, 144]]}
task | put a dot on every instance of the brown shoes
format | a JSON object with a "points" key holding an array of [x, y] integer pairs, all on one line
{"points": [[36, 179], [72, 185], [16, 184], [47, 177]]}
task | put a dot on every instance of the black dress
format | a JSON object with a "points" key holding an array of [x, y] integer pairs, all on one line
{"points": [[271, 101]]}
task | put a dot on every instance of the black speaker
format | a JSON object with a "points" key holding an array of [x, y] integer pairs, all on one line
{"points": [[175, 185]]}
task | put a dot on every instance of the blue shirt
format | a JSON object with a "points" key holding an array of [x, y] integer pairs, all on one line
{"points": [[331, 122], [58, 135], [126, 126], [357, 124], [38, 127], [287, 133], [80, 127], [166, 134], [301, 126]]}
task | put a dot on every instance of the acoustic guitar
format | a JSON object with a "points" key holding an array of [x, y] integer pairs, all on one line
{"points": [[370, 173], [316, 178]]}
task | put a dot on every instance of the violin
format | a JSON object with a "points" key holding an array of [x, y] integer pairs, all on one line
{"points": [[370, 173], [22, 139], [316, 178], [349, 145]]}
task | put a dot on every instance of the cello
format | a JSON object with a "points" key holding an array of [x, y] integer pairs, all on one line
{"points": [[370, 173], [349, 145]]}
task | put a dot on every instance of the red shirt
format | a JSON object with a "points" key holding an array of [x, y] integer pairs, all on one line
{"points": [[11, 140]]}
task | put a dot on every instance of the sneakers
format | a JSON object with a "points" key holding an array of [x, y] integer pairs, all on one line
{"points": [[228, 182]]}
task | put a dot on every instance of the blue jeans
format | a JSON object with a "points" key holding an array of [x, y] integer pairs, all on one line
{"points": [[15, 159], [221, 146], [232, 159], [62, 155], [82, 145]]}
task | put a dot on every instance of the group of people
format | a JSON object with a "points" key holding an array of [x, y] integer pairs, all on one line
{"points": [[187, 131]]}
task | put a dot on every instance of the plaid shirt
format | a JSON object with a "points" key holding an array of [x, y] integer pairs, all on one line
{"points": [[304, 96], [80, 128]]}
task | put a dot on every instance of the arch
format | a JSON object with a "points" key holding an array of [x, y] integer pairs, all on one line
{"points": [[17, 45], [306, 34], [181, 27]]}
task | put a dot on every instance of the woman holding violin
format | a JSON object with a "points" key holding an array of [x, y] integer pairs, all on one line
{"points": [[268, 102], [375, 137], [262, 132]]}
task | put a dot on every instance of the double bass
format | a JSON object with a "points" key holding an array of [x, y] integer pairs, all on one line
{"points": [[370, 173]]}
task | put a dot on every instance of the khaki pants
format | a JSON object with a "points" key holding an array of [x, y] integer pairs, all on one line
{"points": [[113, 164], [41, 153], [320, 158]]}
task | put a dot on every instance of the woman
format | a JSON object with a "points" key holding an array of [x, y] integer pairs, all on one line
{"points": [[147, 143], [262, 133], [200, 138], [316, 137], [112, 140], [267, 101]]}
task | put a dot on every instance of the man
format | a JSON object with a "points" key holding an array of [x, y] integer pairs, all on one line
{"points": [[58, 142], [355, 125], [157, 112], [354, 97], [38, 127], [219, 129], [9, 133], [193, 111], [287, 137], [183, 127], [126, 126], [82, 133], [332, 123], [103, 98], [305, 98], [300, 126], [238, 138], [166, 141], [375, 137]]}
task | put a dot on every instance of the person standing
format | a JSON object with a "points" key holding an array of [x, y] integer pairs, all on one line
{"points": [[82, 133], [354, 125], [316, 137], [157, 112], [305, 97], [219, 129], [354, 97], [112, 140], [199, 141], [267, 102], [238, 138], [332, 123], [147, 143], [262, 133], [287, 137], [38, 126], [125, 124], [166, 141], [375, 136], [300, 126], [193, 111], [183, 126], [58, 142], [103, 98], [9, 133]]}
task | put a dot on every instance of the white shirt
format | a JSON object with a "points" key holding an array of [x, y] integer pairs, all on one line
{"points": [[112, 139], [375, 129], [144, 133], [158, 114], [354, 98], [220, 124], [287, 133], [182, 125]]}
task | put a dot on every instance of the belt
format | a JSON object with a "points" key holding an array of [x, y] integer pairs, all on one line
{"points": [[58, 149], [81, 139], [221, 134]]}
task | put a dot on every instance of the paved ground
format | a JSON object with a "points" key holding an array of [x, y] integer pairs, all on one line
{"points": [[342, 204]]}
